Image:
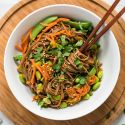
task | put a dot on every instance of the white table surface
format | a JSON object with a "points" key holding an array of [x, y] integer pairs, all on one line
{"points": [[5, 5]]}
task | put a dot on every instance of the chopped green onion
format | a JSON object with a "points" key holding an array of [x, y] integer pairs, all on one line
{"points": [[79, 43], [77, 61]]}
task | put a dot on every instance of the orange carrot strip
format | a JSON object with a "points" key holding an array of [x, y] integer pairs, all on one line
{"points": [[60, 32], [25, 38], [18, 47], [34, 71]]}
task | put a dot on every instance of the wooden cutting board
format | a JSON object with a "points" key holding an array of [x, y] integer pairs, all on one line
{"points": [[106, 113]]}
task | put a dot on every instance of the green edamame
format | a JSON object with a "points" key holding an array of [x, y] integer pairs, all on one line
{"points": [[38, 75], [100, 74], [63, 105], [93, 71], [39, 26], [86, 97], [96, 86], [22, 79]]}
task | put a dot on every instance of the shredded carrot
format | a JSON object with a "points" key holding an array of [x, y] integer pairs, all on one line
{"points": [[91, 80], [25, 48], [58, 33], [18, 47], [33, 75], [83, 90], [34, 71], [67, 32], [25, 38]]}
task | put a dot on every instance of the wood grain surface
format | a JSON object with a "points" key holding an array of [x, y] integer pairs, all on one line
{"points": [[106, 113]]}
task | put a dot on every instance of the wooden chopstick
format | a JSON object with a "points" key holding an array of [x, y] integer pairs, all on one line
{"points": [[106, 28], [99, 24]]}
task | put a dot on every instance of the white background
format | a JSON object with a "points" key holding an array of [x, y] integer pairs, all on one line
{"points": [[5, 5]]}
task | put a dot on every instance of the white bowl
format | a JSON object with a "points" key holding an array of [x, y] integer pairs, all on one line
{"points": [[109, 56]]}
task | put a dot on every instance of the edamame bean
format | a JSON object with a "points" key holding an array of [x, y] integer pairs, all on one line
{"points": [[39, 87], [77, 80], [22, 79], [39, 26], [46, 100], [96, 86], [57, 97], [86, 97], [63, 105], [100, 74], [38, 75]]}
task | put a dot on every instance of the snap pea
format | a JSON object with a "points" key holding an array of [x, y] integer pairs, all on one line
{"points": [[84, 24], [86, 97], [38, 75], [22, 78], [93, 71], [96, 86], [39, 26], [63, 105], [57, 97], [100, 74]]}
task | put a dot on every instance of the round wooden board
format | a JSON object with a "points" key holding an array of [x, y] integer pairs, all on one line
{"points": [[106, 113]]}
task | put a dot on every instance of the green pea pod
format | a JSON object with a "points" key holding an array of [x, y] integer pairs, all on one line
{"points": [[39, 26], [38, 75], [96, 86], [77, 25], [100, 74], [22, 79], [86, 97]]}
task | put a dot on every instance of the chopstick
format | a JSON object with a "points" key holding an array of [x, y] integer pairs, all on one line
{"points": [[87, 45]]}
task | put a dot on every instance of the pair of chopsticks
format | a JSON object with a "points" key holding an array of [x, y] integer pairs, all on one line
{"points": [[91, 41]]}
